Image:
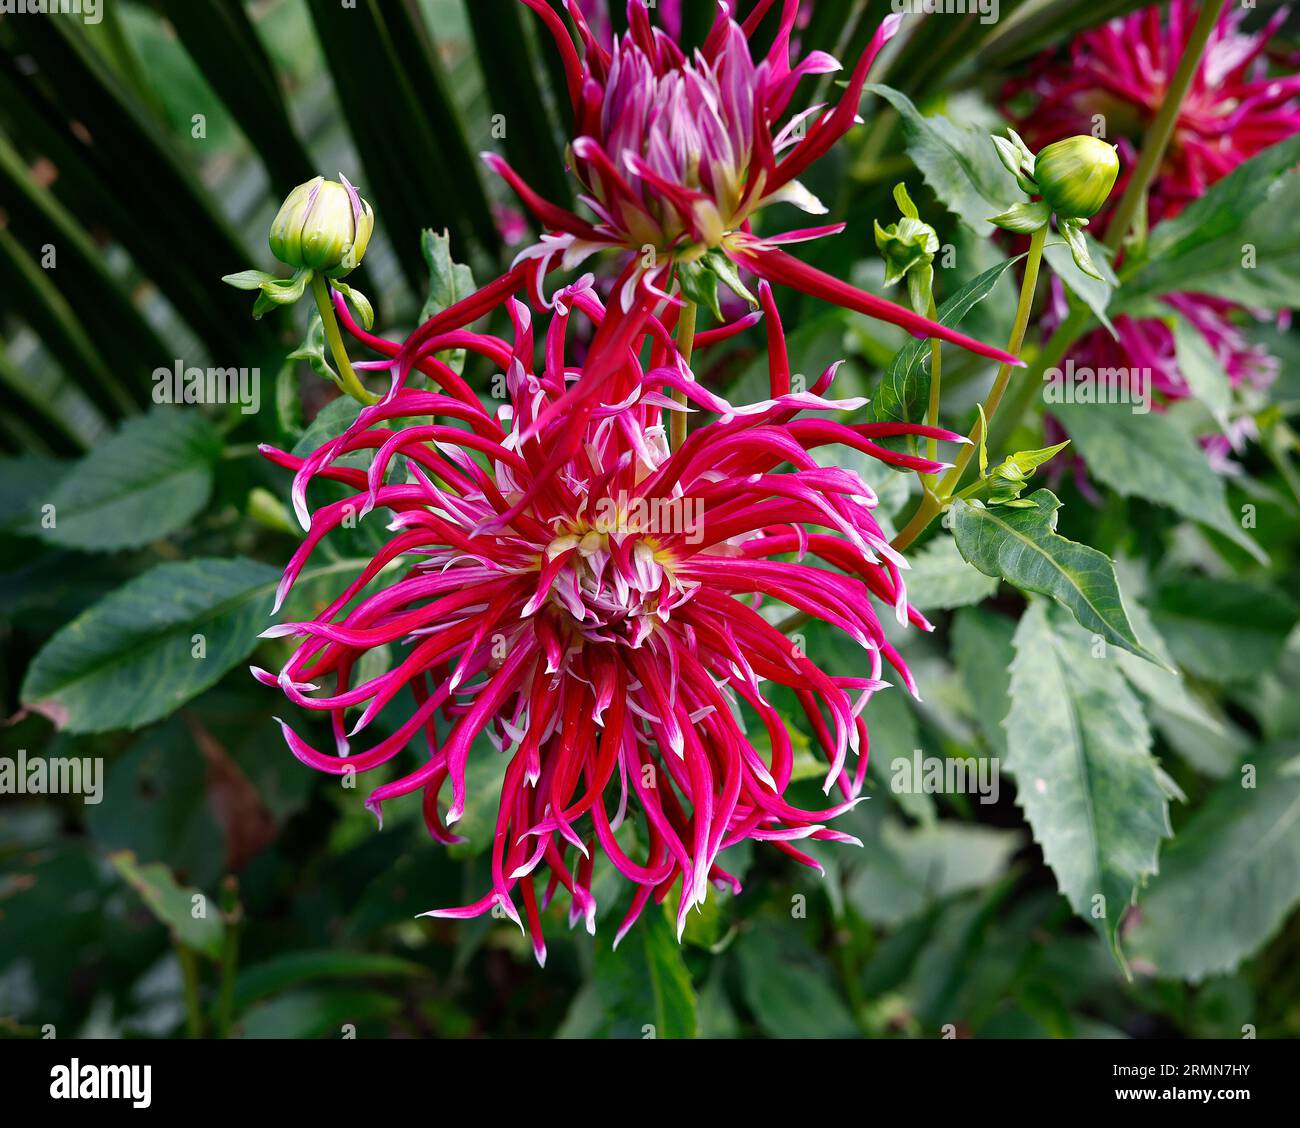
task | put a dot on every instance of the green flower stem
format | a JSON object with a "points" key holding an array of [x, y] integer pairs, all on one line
{"points": [[232, 917], [686, 346], [351, 384], [1154, 146], [936, 375], [190, 980], [934, 500]]}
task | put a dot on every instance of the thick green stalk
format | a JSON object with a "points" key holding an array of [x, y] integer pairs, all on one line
{"points": [[351, 384]]}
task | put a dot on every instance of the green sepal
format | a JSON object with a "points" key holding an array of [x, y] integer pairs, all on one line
{"points": [[359, 302], [281, 292], [729, 276], [1008, 479], [700, 285], [1023, 218], [248, 279], [1073, 233], [904, 202], [920, 288]]}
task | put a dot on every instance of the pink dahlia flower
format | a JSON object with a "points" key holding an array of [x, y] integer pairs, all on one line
{"points": [[677, 155], [1234, 109], [598, 620]]}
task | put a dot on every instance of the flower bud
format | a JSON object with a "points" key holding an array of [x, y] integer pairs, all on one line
{"points": [[1076, 175], [324, 226]]}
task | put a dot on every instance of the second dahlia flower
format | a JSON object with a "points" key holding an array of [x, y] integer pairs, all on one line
{"points": [[598, 620], [678, 154]]}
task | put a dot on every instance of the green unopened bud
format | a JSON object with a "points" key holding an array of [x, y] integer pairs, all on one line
{"points": [[324, 226], [908, 248], [1076, 175]]}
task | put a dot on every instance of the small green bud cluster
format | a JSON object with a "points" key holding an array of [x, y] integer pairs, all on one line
{"points": [[909, 247]]}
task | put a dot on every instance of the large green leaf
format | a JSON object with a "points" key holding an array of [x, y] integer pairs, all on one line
{"points": [[1021, 546], [1207, 248], [1231, 877], [940, 579], [1205, 373], [449, 282], [904, 391], [1080, 750], [145, 482], [958, 161], [1224, 630], [1151, 457], [132, 658], [642, 990]]}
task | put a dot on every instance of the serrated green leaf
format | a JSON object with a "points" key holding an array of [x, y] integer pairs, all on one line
{"points": [[787, 986], [130, 659], [1079, 748], [1231, 877], [1022, 547], [449, 282], [1149, 456], [330, 422], [145, 482], [904, 391]]}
